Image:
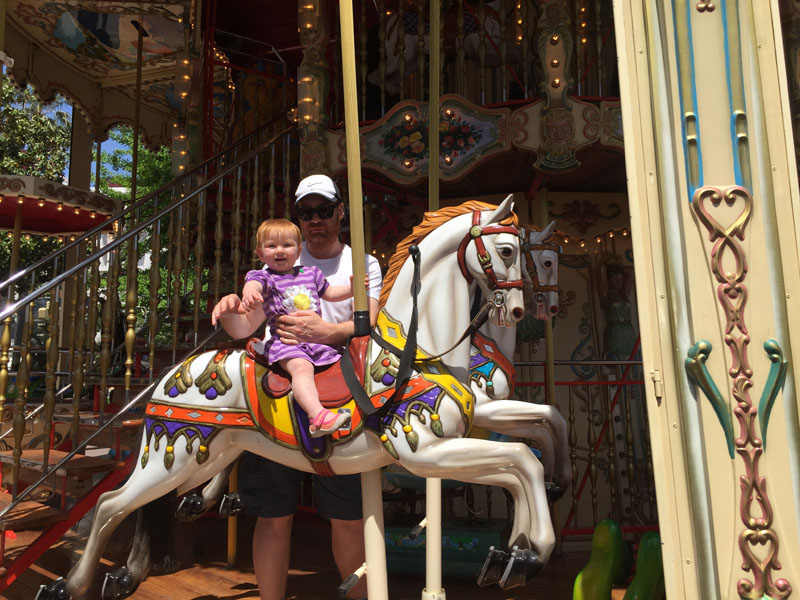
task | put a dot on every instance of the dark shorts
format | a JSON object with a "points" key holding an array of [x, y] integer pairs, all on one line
{"points": [[268, 489]]}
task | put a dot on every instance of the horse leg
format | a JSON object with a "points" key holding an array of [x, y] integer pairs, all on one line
{"points": [[540, 422], [143, 486], [509, 465], [111, 510], [195, 505]]}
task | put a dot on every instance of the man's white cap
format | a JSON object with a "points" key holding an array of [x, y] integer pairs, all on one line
{"points": [[319, 185]]}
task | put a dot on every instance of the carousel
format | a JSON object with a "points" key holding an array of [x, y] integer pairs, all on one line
{"points": [[585, 334]]}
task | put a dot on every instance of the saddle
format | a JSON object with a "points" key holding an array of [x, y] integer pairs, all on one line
{"points": [[333, 391], [283, 420]]}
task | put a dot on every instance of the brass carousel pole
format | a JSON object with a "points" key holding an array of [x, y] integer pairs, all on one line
{"points": [[372, 500], [131, 292], [433, 485], [549, 356]]}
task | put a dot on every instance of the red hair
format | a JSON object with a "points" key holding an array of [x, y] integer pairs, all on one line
{"points": [[277, 228]]}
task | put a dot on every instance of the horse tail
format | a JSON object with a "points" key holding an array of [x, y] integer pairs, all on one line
{"points": [[153, 540]]}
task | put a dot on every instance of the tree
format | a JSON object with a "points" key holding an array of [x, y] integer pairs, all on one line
{"points": [[34, 137], [34, 141], [153, 169]]}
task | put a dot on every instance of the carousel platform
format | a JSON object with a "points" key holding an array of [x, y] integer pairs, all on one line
{"points": [[202, 573]]}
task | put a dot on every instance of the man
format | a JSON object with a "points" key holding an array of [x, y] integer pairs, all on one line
{"points": [[268, 490]]}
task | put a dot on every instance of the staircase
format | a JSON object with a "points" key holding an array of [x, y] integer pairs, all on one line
{"points": [[119, 304]]}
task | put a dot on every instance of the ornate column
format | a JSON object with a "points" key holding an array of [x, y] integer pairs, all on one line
{"points": [[313, 82], [714, 198]]}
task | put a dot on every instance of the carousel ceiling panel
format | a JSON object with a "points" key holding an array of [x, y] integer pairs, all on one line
{"points": [[100, 38]]}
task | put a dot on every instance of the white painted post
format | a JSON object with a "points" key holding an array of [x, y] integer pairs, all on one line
{"points": [[374, 540]]}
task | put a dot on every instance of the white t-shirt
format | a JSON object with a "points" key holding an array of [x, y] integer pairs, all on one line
{"points": [[338, 271]]}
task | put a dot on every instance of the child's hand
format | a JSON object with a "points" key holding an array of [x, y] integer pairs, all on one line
{"points": [[366, 282], [228, 305], [251, 296]]}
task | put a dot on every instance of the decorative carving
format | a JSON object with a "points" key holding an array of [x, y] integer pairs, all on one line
{"points": [[705, 7], [583, 214], [775, 379], [78, 197], [695, 365], [397, 144], [181, 381], [732, 295], [214, 381], [11, 184]]}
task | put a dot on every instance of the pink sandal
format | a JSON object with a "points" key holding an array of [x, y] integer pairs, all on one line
{"points": [[327, 422]]}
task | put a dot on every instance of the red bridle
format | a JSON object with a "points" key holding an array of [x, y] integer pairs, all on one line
{"points": [[484, 258]]}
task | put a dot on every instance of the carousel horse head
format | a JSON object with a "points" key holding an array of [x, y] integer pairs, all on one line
{"points": [[482, 242], [541, 257]]}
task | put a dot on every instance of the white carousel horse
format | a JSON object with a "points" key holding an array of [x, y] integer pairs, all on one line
{"points": [[492, 372], [210, 408]]}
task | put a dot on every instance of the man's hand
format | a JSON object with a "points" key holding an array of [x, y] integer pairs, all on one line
{"points": [[228, 305], [307, 326]]}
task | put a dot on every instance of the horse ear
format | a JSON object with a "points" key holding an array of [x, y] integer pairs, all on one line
{"points": [[502, 211], [548, 231]]}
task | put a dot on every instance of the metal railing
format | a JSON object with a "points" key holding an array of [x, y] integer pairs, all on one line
{"points": [[196, 233]]}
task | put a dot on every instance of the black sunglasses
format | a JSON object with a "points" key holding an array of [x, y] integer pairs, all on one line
{"points": [[324, 211]]}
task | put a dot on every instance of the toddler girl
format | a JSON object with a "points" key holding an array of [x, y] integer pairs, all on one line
{"points": [[282, 288]]}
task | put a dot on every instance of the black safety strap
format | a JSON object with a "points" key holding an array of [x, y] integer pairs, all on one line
{"points": [[406, 355], [351, 379]]}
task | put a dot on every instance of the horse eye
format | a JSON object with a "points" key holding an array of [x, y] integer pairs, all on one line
{"points": [[548, 264], [506, 252]]}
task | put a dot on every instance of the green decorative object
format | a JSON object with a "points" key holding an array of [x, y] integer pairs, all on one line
{"points": [[181, 381], [648, 583], [605, 563], [695, 366], [412, 439], [387, 443], [775, 381], [214, 381]]}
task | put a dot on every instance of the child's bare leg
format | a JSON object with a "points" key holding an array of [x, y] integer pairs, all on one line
{"points": [[305, 392], [303, 386]]}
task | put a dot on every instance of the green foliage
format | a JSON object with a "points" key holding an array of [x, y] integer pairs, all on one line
{"points": [[153, 169], [30, 251], [34, 137]]}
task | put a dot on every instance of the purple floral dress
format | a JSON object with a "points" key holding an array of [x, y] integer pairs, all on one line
{"points": [[283, 293]]}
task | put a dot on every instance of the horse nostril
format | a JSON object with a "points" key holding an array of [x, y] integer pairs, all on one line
{"points": [[518, 313], [554, 309]]}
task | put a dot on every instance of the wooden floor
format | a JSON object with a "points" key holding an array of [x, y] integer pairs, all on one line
{"points": [[203, 574]]}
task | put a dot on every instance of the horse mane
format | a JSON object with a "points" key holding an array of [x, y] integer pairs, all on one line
{"points": [[430, 221]]}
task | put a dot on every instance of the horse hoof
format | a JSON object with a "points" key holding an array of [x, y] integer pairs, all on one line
{"points": [[553, 491], [493, 567], [523, 565], [190, 508], [55, 590], [118, 584], [230, 505]]}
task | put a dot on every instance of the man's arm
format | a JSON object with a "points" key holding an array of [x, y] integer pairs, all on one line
{"points": [[308, 326]]}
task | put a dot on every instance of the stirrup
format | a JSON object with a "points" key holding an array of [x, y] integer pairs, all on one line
{"points": [[342, 419]]}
